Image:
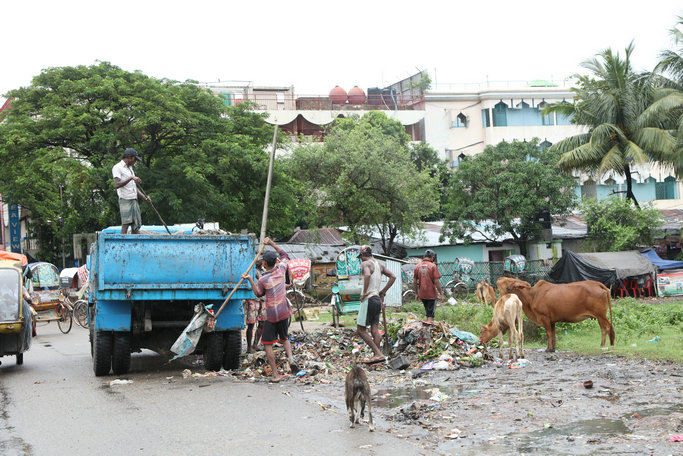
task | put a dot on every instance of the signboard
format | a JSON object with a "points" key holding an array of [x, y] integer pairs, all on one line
{"points": [[670, 284], [14, 228]]}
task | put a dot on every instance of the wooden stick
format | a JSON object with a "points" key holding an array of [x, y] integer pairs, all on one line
{"points": [[264, 219]]}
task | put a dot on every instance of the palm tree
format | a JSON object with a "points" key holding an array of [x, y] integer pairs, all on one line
{"points": [[671, 60], [613, 103]]}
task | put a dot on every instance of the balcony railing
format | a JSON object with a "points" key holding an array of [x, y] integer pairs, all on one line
{"points": [[282, 102]]}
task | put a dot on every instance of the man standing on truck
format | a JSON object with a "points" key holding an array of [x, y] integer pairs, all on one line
{"points": [[272, 286], [372, 301], [427, 286], [125, 181]]}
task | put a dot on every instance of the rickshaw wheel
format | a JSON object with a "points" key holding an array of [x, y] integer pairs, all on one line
{"points": [[20, 359], [102, 348], [65, 320], [120, 360]]}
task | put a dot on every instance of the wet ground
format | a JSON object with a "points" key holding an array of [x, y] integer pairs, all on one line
{"points": [[633, 407]]}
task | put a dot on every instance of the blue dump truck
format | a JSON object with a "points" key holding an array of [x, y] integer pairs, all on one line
{"points": [[143, 290]]}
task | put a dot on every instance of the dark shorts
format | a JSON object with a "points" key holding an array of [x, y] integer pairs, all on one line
{"points": [[370, 316], [274, 332], [430, 305]]}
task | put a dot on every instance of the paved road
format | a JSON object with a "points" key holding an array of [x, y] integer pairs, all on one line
{"points": [[54, 405]]}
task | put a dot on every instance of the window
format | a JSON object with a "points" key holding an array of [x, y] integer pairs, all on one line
{"points": [[500, 115], [563, 119], [545, 144], [546, 119], [460, 121], [666, 189], [485, 118]]}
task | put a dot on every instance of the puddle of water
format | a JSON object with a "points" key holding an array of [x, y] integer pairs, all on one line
{"points": [[657, 411], [539, 441], [396, 397]]}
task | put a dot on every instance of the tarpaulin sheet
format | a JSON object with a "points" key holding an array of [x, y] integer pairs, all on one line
{"points": [[659, 262], [573, 268], [629, 263]]}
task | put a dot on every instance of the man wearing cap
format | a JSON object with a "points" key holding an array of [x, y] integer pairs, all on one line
{"points": [[125, 181], [427, 286], [372, 300], [272, 286]]}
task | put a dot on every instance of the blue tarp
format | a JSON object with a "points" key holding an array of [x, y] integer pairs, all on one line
{"points": [[660, 263]]}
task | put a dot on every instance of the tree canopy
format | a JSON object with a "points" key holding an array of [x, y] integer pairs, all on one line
{"points": [[199, 158], [362, 177], [503, 190], [624, 128], [616, 224]]}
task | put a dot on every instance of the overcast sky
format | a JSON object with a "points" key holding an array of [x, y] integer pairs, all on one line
{"points": [[315, 45]]}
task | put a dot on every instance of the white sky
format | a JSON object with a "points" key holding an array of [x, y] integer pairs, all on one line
{"points": [[315, 45]]}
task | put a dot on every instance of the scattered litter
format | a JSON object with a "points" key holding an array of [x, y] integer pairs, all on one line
{"points": [[187, 373], [465, 336], [656, 339], [676, 438], [120, 382], [454, 434], [364, 447]]}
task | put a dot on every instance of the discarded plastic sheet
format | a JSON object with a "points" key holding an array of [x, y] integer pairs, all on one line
{"points": [[187, 341], [656, 339], [120, 382], [465, 336]]}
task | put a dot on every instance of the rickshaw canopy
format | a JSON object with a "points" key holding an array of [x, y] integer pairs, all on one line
{"points": [[13, 256]]}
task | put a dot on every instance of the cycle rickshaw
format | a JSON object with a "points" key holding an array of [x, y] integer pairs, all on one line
{"points": [[463, 281], [47, 300]]}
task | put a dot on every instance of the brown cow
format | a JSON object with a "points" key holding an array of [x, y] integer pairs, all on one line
{"points": [[546, 303], [504, 283], [485, 293], [507, 315]]}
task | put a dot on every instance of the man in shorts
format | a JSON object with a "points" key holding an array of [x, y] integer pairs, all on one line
{"points": [[372, 301], [427, 286], [272, 286]]}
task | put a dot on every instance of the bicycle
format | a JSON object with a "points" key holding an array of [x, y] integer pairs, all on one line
{"points": [[80, 312]]}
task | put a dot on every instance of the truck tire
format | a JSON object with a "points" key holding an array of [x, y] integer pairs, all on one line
{"points": [[20, 359], [213, 351], [232, 349], [120, 360], [102, 349]]}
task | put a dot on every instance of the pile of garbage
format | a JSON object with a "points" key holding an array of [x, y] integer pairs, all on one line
{"points": [[326, 355]]}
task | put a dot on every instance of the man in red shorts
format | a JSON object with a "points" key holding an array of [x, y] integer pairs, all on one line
{"points": [[272, 286]]}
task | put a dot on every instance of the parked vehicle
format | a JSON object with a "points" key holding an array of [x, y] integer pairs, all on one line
{"points": [[47, 299], [143, 290], [16, 322]]}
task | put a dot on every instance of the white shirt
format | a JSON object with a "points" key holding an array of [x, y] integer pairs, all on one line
{"points": [[123, 172]]}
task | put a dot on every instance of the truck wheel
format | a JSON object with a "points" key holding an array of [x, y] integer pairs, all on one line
{"points": [[102, 349], [120, 361], [213, 351], [20, 359], [232, 349]]}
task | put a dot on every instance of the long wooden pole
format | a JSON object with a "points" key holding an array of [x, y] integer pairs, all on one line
{"points": [[264, 221]]}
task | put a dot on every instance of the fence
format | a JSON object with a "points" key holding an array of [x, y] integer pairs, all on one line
{"points": [[491, 271]]}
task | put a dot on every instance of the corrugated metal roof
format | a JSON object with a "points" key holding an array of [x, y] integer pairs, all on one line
{"points": [[329, 236], [317, 253]]}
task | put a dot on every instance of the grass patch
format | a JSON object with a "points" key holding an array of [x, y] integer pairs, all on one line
{"points": [[635, 324]]}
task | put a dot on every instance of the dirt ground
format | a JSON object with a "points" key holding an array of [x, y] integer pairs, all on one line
{"points": [[634, 407], [540, 406]]}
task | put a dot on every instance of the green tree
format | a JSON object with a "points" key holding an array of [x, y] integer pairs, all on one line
{"points": [[671, 60], [199, 158], [503, 190], [426, 158], [612, 102], [616, 224], [362, 177]]}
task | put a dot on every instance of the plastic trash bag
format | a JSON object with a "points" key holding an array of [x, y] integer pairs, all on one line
{"points": [[187, 342], [465, 336]]}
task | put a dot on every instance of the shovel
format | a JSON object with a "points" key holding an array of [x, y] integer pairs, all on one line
{"points": [[387, 345], [155, 210]]}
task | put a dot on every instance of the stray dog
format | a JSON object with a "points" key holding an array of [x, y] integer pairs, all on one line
{"points": [[357, 395]]}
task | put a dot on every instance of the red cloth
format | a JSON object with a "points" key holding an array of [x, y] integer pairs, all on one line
{"points": [[426, 274]]}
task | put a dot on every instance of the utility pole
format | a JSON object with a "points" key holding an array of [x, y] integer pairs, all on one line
{"points": [[61, 220]]}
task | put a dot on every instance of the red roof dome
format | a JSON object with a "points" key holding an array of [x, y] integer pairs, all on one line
{"points": [[338, 95], [356, 96]]}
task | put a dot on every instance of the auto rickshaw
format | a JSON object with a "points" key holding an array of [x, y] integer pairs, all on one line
{"points": [[16, 323]]}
